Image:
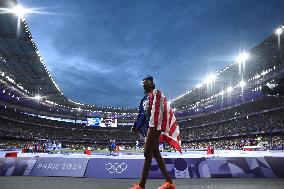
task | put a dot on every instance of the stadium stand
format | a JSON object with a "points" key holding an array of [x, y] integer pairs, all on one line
{"points": [[211, 113]]}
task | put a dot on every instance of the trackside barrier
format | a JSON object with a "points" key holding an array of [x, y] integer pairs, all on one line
{"points": [[58, 166], [16, 166], [191, 168], [131, 168], [182, 168], [114, 168], [240, 167]]}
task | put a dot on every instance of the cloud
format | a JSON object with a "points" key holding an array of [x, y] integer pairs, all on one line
{"points": [[99, 51]]}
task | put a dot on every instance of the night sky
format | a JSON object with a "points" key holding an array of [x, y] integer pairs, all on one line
{"points": [[98, 52]]}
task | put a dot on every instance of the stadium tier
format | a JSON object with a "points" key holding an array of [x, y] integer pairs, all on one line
{"points": [[242, 101], [23, 69], [240, 81]]}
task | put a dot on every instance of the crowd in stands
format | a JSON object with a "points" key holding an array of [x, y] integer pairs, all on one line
{"points": [[16, 130], [229, 126], [20, 127], [245, 109], [260, 117], [264, 61], [274, 142], [226, 128]]}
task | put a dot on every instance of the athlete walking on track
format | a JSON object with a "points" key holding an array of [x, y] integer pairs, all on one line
{"points": [[157, 123]]}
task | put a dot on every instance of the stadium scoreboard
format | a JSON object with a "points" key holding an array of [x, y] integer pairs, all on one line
{"points": [[102, 122]]}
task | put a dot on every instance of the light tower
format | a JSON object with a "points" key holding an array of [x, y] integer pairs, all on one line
{"points": [[278, 32]]}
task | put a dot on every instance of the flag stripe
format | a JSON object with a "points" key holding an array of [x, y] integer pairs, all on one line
{"points": [[151, 109], [161, 112], [157, 99], [162, 118], [172, 142], [165, 118], [173, 128], [170, 119]]}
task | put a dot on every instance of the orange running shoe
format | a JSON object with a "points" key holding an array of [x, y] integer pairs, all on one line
{"points": [[136, 186], [167, 185]]}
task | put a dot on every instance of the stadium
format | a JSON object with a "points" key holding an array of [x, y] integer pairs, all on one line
{"points": [[231, 124]]}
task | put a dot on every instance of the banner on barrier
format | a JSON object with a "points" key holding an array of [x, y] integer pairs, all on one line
{"points": [[132, 168], [257, 167], [277, 165], [114, 168], [232, 167], [16, 166], [181, 168], [72, 167]]}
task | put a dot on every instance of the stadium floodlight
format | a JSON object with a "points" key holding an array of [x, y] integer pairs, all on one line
{"points": [[222, 93], [20, 11], [242, 57], [279, 31], [38, 97], [210, 79], [242, 83], [199, 85], [230, 89]]}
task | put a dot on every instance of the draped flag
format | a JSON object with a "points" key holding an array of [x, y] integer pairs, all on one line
{"points": [[161, 117]]}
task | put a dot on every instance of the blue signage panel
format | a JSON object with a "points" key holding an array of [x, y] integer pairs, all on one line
{"points": [[248, 167], [72, 167], [277, 165], [114, 168], [181, 168], [132, 168], [260, 167], [21, 166]]}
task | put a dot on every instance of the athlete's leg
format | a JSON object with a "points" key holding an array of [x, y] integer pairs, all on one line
{"points": [[157, 155], [150, 145]]}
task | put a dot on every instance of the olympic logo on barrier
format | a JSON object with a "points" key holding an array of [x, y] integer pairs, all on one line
{"points": [[116, 167]]}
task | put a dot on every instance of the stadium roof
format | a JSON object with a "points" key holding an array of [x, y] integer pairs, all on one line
{"points": [[22, 64], [266, 57], [21, 60]]}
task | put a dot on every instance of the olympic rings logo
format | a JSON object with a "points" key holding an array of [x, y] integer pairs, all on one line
{"points": [[116, 167]]}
